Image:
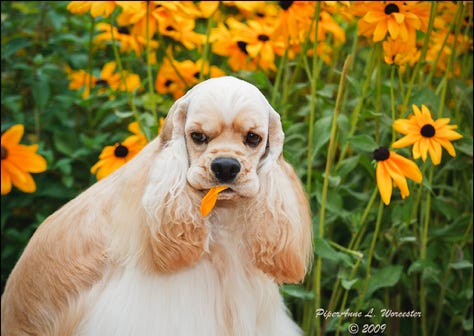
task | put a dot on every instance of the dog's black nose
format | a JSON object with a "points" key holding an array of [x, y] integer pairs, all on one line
{"points": [[225, 169]]}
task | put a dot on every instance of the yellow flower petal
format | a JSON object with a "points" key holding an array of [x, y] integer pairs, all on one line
{"points": [[209, 201], [424, 144], [408, 167], [30, 162], [407, 140], [384, 182], [439, 123], [13, 135], [134, 127], [448, 146], [371, 17], [399, 18], [27, 184], [20, 179], [447, 134], [108, 70], [380, 31], [6, 182], [398, 177], [393, 29], [15, 173], [416, 150], [434, 149], [406, 126]]}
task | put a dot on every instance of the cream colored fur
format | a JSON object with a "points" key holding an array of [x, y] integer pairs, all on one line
{"points": [[133, 256]]}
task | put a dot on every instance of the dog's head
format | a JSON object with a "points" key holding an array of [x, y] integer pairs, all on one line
{"points": [[224, 132], [229, 130]]}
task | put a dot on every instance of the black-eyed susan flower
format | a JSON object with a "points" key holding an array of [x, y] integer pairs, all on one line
{"points": [[293, 21], [138, 137], [426, 135], [114, 157], [400, 19], [400, 53], [114, 79], [259, 44], [18, 161], [394, 167], [125, 39], [175, 78], [81, 80], [227, 43]]}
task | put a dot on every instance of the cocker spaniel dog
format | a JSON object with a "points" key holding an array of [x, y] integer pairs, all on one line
{"points": [[133, 255]]}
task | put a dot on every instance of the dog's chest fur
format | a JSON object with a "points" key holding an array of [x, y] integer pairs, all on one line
{"points": [[209, 298]]}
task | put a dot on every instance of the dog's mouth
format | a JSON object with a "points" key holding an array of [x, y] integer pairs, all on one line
{"points": [[226, 194]]}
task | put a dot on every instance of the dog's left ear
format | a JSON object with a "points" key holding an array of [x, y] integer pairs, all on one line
{"points": [[279, 222], [177, 234]]}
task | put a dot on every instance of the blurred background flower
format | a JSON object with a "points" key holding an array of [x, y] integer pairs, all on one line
{"points": [[18, 161]]}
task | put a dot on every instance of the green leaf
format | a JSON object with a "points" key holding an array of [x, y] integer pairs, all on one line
{"points": [[463, 264], [297, 292], [324, 250], [12, 46], [363, 143], [322, 132], [41, 91], [347, 284], [348, 165], [385, 277]]}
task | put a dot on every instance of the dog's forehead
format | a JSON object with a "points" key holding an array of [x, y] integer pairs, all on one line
{"points": [[228, 97]]}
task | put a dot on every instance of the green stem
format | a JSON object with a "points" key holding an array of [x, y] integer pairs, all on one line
{"points": [[424, 49], [327, 173], [357, 237], [276, 87], [205, 51], [346, 294], [454, 249], [131, 100], [392, 99], [151, 90], [423, 245], [89, 67], [370, 255], [335, 293], [314, 86], [356, 113]]}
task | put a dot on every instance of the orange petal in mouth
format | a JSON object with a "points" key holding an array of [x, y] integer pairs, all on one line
{"points": [[209, 201]]}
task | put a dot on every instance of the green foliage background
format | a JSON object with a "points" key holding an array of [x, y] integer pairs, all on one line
{"points": [[415, 254]]}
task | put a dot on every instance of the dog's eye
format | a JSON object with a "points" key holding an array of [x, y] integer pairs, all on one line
{"points": [[252, 139], [199, 138]]}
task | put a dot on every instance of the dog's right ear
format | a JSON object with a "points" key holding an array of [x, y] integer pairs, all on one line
{"points": [[174, 122], [177, 234]]}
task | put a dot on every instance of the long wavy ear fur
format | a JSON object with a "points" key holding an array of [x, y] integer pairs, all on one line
{"points": [[280, 233], [177, 234]]}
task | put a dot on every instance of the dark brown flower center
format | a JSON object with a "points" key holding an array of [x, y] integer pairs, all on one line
{"points": [[381, 154], [4, 153], [263, 37], [428, 131], [285, 4], [123, 30], [243, 46], [391, 8], [121, 151], [102, 82]]}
